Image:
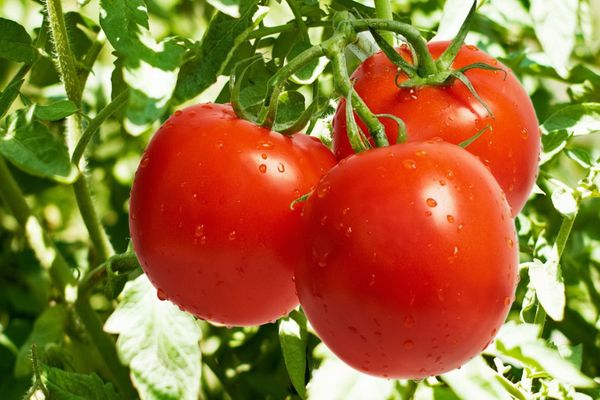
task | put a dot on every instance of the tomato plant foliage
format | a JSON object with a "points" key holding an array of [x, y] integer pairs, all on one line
{"points": [[84, 86]]}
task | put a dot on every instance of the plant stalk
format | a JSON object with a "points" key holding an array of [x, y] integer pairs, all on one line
{"points": [[383, 10], [344, 86]]}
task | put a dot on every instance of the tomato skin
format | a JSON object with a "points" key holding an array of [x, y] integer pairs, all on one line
{"points": [[210, 213], [510, 149], [411, 261]]}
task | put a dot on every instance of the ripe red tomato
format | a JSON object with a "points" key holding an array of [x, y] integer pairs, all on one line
{"points": [[510, 149], [411, 259], [210, 214]]}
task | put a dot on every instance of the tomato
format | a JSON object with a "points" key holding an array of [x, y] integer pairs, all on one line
{"points": [[210, 214], [510, 149], [410, 265]]}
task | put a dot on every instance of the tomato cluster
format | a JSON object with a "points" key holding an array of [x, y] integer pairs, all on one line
{"points": [[404, 257]]}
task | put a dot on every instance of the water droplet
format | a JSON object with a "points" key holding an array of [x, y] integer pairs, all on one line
{"points": [[471, 47], [178, 113], [281, 167], [320, 257], [460, 227], [409, 321], [494, 332], [262, 168], [409, 164], [199, 231], [454, 254], [144, 162], [524, 133], [322, 190], [232, 235], [507, 301], [263, 156], [421, 153], [192, 113], [372, 280], [265, 145], [323, 220], [442, 182], [510, 242], [440, 294], [431, 202], [348, 231], [450, 174], [450, 218], [345, 211], [161, 295], [408, 344], [428, 213]]}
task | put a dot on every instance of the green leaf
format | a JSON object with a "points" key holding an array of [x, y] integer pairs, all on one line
{"points": [[453, 16], [150, 68], [63, 385], [311, 71], [229, 7], [15, 42], [48, 328], [9, 95], [293, 339], [549, 286], [580, 156], [212, 54], [563, 199], [158, 341], [519, 345], [30, 146], [476, 380], [334, 380], [289, 109], [55, 111], [573, 120], [81, 31], [555, 24]]}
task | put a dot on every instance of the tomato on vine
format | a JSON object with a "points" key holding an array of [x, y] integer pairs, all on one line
{"points": [[410, 261], [211, 220], [510, 147]]}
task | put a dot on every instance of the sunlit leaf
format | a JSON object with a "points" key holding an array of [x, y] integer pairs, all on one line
{"points": [[158, 342]]}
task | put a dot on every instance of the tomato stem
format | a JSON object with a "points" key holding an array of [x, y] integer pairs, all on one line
{"points": [[344, 86], [444, 62], [426, 64], [383, 10], [298, 19], [95, 124]]}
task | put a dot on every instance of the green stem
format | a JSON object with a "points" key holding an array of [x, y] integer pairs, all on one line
{"points": [[344, 86], [73, 87], [564, 233], [426, 64], [119, 262], [97, 233], [298, 19], [308, 55], [48, 255], [65, 60], [383, 10], [105, 345], [95, 124]]}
